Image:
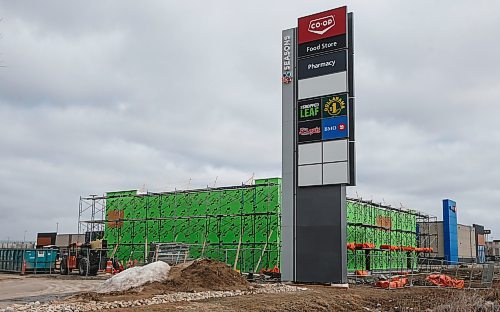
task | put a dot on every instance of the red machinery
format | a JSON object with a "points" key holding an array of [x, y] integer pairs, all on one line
{"points": [[82, 257]]}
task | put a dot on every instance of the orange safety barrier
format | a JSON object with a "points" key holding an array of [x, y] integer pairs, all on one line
{"points": [[445, 281], [273, 270], [361, 273], [407, 248], [351, 246], [120, 268], [421, 249], [364, 245], [395, 282], [389, 247], [23, 268]]}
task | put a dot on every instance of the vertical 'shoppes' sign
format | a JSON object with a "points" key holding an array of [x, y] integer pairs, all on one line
{"points": [[322, 25], [287, 61]]}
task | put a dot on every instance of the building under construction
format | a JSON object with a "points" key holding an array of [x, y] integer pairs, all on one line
{"points": [[241, 225]]}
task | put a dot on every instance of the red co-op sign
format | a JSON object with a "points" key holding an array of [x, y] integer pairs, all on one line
{"points": [[322, 25]]}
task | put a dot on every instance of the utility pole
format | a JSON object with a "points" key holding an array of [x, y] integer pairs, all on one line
{"points": [[57, 227]]}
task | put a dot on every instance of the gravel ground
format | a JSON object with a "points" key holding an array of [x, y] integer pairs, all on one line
{"points": [[155, 300]]}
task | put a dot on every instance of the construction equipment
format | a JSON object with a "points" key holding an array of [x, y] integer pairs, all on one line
{"points": [[85, 257]]}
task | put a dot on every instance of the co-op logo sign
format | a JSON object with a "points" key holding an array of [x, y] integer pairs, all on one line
{"points": [[321, 25]]}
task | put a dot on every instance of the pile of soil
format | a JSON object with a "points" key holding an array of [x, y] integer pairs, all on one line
{"points": [[204, 274], [198, 275]]}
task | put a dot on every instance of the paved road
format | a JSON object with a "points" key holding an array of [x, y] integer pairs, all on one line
{"points": [[17, 289]]}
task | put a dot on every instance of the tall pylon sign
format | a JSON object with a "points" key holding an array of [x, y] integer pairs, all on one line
{"points": [[318, 146]]}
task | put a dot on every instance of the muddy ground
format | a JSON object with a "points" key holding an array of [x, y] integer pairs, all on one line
{"points": [[357, 298], [213, 275], [208, 276]]}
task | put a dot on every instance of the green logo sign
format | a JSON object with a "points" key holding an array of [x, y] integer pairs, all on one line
{"points": [[309, 109]]}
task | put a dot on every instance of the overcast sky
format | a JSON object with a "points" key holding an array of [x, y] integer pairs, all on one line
{"points": [[99, 96]]}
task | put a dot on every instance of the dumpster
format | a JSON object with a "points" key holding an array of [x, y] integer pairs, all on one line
{"points": [[36, 260]]}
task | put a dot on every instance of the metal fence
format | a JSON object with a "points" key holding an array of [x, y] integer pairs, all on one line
{"points": [[17, 245], [419, 272]]}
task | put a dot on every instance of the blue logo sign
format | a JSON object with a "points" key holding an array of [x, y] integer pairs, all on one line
{"points": [[335, 128]]}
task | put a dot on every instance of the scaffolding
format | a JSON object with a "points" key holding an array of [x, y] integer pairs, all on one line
{"points": [[91, 212], [239, 225], [385, 239]]}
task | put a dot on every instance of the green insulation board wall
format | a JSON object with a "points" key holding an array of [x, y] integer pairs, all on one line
{"points": [[212, 222], [369, 223]]}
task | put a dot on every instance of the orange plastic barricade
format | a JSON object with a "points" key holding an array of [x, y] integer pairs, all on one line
{"points": [[444, 280], [364, 245], [389, 247], [361, 273], [351, 246], [421, 249], [395, 282], [270, 271]]}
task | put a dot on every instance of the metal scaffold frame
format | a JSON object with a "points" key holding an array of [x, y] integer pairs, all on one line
{"points": [[241, 225], [91, 212], [385, 239], [238, 225]]}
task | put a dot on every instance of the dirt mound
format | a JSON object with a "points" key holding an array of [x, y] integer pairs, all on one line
{"points": [[205, 274], [198, 275]]}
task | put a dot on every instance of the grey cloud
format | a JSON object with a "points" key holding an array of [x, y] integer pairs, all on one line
{"points": [[108, 95]]}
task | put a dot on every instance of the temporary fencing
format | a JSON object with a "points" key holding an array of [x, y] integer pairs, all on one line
{"points": [[432, 272]]}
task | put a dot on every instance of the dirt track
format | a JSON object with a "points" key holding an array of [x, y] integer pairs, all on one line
{"points": [[19, 289], [194, 281], [324, 298]]}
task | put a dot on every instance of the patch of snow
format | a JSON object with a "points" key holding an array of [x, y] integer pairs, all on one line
{"points": [[135, 277]]}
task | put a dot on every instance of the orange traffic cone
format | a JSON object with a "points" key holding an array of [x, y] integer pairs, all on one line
{"points": [[23, 269], [109, 266]]}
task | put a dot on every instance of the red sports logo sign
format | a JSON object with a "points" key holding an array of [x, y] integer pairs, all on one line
{"points": [[322, 25]]}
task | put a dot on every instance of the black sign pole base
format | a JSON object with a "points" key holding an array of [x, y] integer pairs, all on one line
{"points": [[321, 242]]}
